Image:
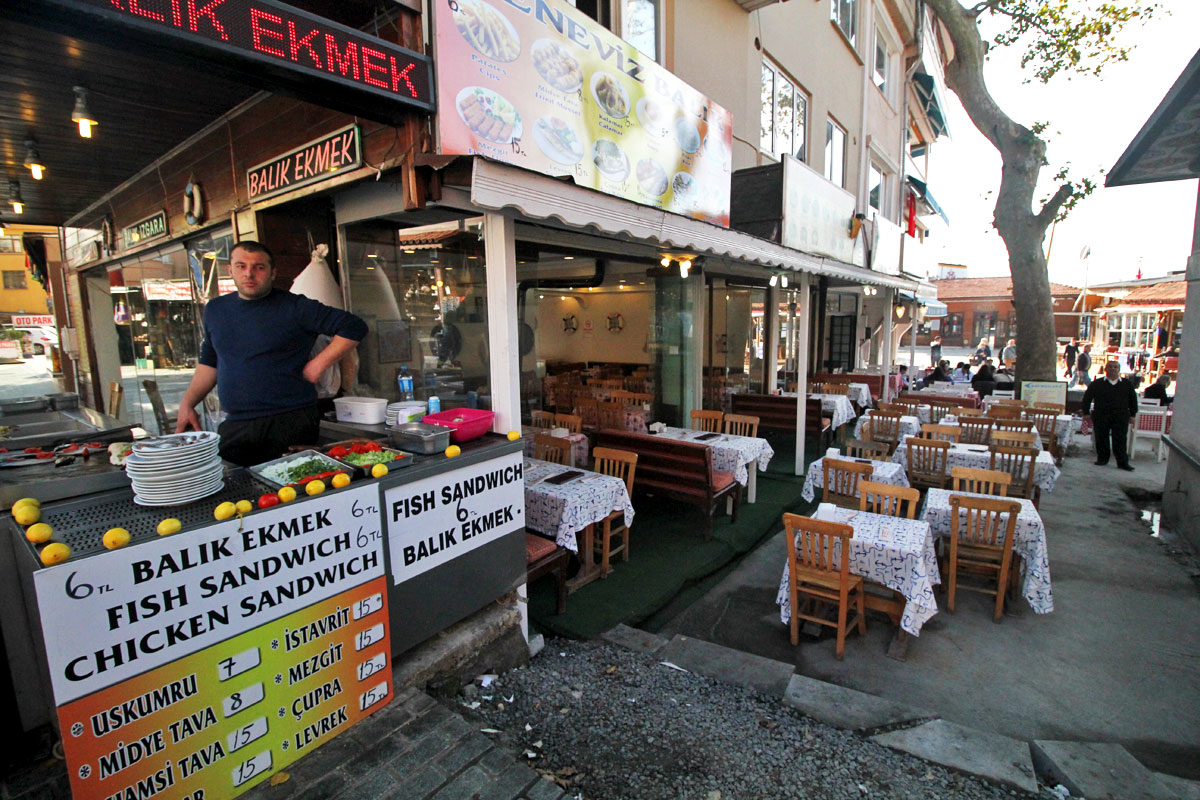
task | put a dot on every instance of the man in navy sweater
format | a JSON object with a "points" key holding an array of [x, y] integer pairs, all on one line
{"points": [[256, 352], [1112, 403]]}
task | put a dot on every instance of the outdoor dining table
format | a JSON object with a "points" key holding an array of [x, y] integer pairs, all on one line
{"points": [[909, 425], [952, 421], [565, 510], [731, 454], [892, 551], [1029, 542], [885, 472], [838, 406], [860, 394], [970, 399], [977, 456], [579, 444]]}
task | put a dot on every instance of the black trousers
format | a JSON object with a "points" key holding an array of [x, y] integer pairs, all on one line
{"points": [[1116, 429], [248, 442]]}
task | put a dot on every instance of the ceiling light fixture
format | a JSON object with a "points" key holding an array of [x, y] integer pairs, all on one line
{"points": [[81, 115], [774, 280], [685, 267], [14, 197], [783, 281], [666, 261], [33, 160]]}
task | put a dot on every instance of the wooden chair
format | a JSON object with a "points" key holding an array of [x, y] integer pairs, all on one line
{"points": [[928, 462], [813, 575], [116, 399], [1017, 425], [1044, 422], [912, 405], [639, 398], [857, 448], [882, 498], [571, 422], [611, 416], [884, 428], [1009, 400], [543, 419], [942, 408], [552, 449], [941, 433], [892, 408], [975, 430], [705, 420], [1019, 462], [621, 396], [1009, 438], [1057, 408], [973, 413], [588, 410], [544, 557], [741, 425], [165, 422], [980, 481], [636, 384], [619, 464], [998, 411], [841, 481], [835, 388], [981, 542]]}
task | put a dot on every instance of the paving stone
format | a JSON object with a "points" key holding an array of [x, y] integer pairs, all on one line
{"points": [[1183, 788], [989, 755], [497, 760], [513, 781], [544, 789], [1097, 771], [470, 784], [633, 639], [420, 783], [725, 664], [378, 753], [420, 725], [464, 752], [374, 785], [423, 750], [326, 758], [383, 722], [846, 708], [326, 787]]}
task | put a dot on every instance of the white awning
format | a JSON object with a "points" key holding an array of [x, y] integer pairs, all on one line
{"points": [[1146, 309], [500, 186]]}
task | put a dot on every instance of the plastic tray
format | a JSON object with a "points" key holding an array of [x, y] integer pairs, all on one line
{"points": [[465, 424]]}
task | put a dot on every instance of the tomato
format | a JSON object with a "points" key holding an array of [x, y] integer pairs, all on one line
{"points": [[268, 500], [306, 479], [45, 455], [372, 447], [95, 444], [33, 449], [339, 452]]}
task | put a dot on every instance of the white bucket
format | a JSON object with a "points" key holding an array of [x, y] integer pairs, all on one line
{"points": [[365, 410]]}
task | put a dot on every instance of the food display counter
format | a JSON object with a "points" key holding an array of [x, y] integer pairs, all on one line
{"points": [[229, 649]]}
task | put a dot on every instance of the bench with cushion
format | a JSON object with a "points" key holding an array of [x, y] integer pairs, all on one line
{"points": [[777, 413], [544, 557], [679, 470]]}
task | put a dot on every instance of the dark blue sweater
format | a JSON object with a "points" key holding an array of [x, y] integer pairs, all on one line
{"points": [[259, 349]]}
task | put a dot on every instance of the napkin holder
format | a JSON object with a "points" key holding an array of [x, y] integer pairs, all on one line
{"points": [[560, 433], [657, 427]]}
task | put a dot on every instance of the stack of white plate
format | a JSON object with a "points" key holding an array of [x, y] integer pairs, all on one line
{"points": [[403, 412], [175, 469]]}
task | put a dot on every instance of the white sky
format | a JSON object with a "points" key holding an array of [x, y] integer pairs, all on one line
{"points": [[1092, 120]]}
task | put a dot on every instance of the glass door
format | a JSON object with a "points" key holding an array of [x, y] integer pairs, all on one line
{"points": [[737, 337]]}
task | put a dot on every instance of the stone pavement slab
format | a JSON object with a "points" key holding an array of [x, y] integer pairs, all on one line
{"points": [[726, 664], [1097, 771], [846, 708], [633, 639], [988, 755], [1182, 787]]}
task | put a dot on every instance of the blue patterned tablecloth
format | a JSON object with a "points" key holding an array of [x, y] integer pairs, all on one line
{"points": [[837, 406], [895, 552], [562, 510], [579, 444], [730, 453], [885, 472], [1045, 473], [1029, 542], [909, 426]]}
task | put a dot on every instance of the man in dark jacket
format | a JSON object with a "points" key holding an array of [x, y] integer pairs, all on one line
{"points": [[1115, 403], [1070, 352]]}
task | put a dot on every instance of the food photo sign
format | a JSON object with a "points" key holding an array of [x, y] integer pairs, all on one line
{"points": [[542, 86]]}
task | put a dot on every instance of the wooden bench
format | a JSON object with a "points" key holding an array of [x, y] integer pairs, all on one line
{"points": [[874, 382], [776, 413], [679, 470], [544, 557]]}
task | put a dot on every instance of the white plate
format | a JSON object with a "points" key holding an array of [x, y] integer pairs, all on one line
{"points": [[486, 30], [141, 462], [176, 483], [493, 105], [176, 442], [686, 135], [620, 171], [655, 116], [546, 51], [182, 487], [557, 139], [615, 107], [179, 501], [173, 469]]}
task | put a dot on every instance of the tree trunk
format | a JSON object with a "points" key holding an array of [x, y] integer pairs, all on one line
{"points": [[1022, 230]]}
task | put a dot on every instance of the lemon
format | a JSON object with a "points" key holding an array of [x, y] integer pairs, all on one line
{"points": [[314, 487], [453, 450], [168, 526], [33, 501], [225, 510], [39, 533], [287, 494], [244, 506], [379, 470], [27, 514], [340, 480], [119, 537], [514, 435], [55, 553]]}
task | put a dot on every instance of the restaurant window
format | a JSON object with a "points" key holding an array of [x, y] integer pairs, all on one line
{"points": [[640, 25], [844, 14], [884, 63], [783, 118], [953, 326], [880, 190], [736, 342], [11, 244], [14, 279], [599, 10], [835, 153]]}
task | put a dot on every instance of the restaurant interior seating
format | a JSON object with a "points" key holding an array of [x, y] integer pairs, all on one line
{"points": [[1057, 408], [612, 415], [1018, 462], [942, 433], [942, 408], [980, 481], [857, 448], [815, 578], [706, 420], [544, 557], [1010, 438], [552, 449], [1001, 411], [572, 422], [741, 425], [928, 463], [892, 408], [840, 481], [981, 543], [542, 419], [971, 412], [884, 427], [619, 464], [891, 501]]}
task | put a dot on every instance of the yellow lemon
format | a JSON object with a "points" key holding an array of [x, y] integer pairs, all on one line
{"points": [[453, 450], [38, 533], [314, 487], [119, 537], [379, 470], [287, 494], [27, 514], [55, 553], [168, 526], [340, 480], [244, 506], [225, 510], [33, 501], [514, 435]]}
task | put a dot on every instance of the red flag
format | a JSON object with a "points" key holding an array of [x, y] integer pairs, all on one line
{"points": [[1139, 277]]}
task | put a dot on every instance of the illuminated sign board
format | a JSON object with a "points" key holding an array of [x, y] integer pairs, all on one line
{"points": [[323, 158], [272, 45], [148, 229]]}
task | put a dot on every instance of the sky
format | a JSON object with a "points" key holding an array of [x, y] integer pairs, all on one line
{"points": [[1092, 121]]}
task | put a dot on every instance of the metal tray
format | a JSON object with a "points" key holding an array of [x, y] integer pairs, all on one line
{"points": [[402, 459], [259, 470], [417, 437]]}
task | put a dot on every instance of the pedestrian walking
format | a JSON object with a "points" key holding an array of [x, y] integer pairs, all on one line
{"points": [[1112, 403], [1082, 365], [935, 350], [1008, 356], [1070, 354]]}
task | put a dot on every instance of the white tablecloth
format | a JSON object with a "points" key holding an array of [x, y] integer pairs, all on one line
{"points": [[953, 422], [860, 393], [1029, 542], [909, 426], [837, 406], [885, 472], [579, 444], [561, 510], [895, 552], [730, 453], [978, 457]]}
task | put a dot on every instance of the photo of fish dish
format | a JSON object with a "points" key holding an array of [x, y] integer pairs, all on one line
{"points": [[488, 115], [610, 160], [556, 65], [558, 140]]}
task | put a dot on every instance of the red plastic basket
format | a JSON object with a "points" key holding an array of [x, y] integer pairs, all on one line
{"points": [[465, 424]]}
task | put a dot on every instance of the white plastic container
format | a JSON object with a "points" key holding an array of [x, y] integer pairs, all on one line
{"points": [[365, 410]]}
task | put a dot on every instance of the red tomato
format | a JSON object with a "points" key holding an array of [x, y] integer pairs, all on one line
{"points": [[306, 479], [268, 500], [33, 449], [372, 447], [45, 455], [339, 452]]}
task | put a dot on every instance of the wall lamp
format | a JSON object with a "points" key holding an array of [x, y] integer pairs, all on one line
{"points": [[686, 266], [81, 114], [870, 291], [33, 160], [14, 197]]}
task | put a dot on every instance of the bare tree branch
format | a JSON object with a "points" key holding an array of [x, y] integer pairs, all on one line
{"points": [[1050, 210]]}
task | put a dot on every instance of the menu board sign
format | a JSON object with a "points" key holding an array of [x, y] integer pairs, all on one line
{"points": [[1044, 391], [542, 86], [817, 215]]}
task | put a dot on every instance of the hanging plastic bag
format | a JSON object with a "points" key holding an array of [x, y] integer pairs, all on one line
{"points": [[316, 283]]}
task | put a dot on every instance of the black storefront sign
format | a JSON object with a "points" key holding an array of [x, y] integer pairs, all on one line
{"points": [[146, 230], [263, 43], [322, 158]]}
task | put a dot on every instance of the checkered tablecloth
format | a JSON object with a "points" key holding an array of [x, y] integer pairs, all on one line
{"points": [[730, 453], [976, 456], [562, 510], [885, 472]]}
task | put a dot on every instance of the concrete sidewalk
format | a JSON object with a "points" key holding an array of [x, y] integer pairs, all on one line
{"points": [[1115, 662]]}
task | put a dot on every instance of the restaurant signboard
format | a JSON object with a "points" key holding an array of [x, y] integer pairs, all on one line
{"points": [[817, 215], [146, 230], [31, 320], [331, 154], [1044, 392], [542, 86]]}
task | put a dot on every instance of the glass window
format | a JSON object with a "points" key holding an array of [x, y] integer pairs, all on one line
{"points": [[844, 14], [784, 114], [767, 114], [11, 244], [876, 188], [835, 153], [14, 279], [639, 25], [883, 63]]}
